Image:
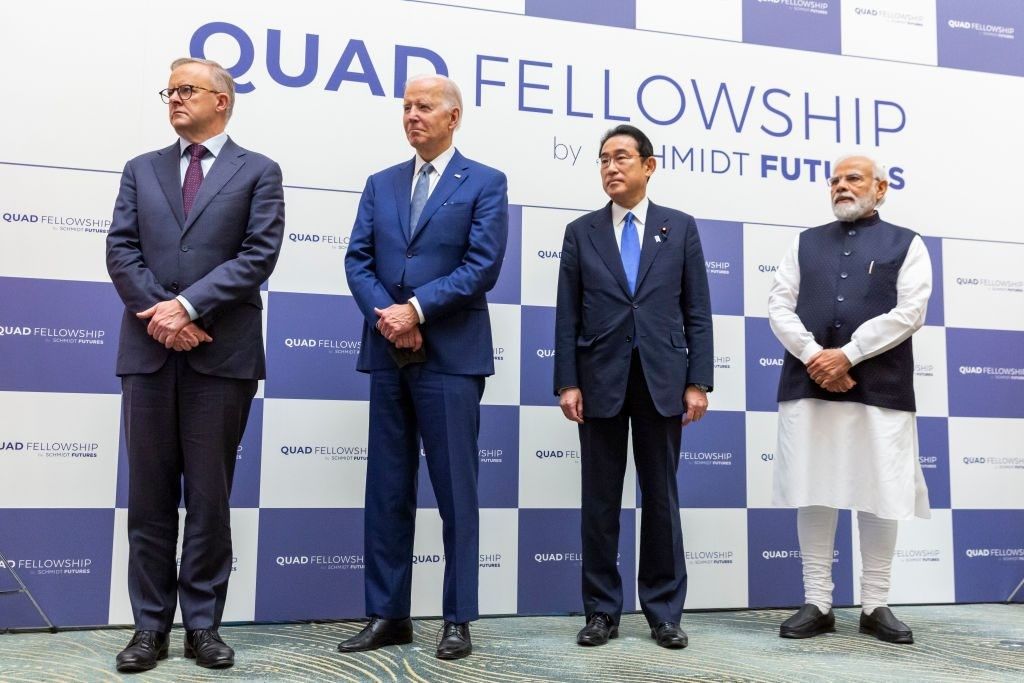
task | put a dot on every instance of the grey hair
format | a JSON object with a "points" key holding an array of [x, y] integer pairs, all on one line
{"points": [[450, 92], [222, 80], [877, 170]]}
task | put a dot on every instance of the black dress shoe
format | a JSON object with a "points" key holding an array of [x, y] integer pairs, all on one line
{"points": [[670, 635], [143, 651], [807, 623], [884, 625], [209, 651], [598, 630], [455, 641], [379, 633]]}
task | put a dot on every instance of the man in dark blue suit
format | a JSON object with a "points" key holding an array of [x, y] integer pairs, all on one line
{"points": [[633, 337], [427, 245], [197, 228]]}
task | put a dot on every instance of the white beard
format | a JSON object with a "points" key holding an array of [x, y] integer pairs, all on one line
{"points": [[847, 212]]}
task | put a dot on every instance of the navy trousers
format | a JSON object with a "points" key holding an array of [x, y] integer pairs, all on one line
{"points": [[661, 579], [444, 410], [181, 425]]}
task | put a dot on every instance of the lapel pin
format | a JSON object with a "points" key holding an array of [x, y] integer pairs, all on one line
{"points": [[458, 175], [663, 237]]}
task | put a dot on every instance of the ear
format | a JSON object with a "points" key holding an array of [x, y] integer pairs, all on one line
{"points": [[883, 187], [650, 163], [222, 102], [456, 116]]}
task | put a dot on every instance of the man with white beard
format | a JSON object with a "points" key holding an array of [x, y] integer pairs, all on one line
{"points": [[846, 299]]}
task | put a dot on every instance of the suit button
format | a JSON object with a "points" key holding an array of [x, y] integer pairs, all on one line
{"points": [[837, 324], [843, 275], [408, 254], [840, 298], [184, 247], [847, 252], [174, 286], [629, 340], [399, 285], [636, 305], [851, 233]]}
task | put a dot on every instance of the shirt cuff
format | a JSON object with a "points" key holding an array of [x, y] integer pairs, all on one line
{"points": [[852, 352], [419, 311], [192, 313], [812, 348]]}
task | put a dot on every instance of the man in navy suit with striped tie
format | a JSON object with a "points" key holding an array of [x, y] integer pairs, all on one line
{"points": [[633, 346], [427, 246]]}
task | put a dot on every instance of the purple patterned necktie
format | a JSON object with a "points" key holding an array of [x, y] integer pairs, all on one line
{"points": [[193, 177]]}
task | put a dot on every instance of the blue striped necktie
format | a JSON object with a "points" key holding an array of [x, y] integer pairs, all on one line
{"points": [[419, 197]]}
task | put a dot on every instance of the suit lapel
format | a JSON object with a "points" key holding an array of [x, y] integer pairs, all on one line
{"points": [[602, 236], [454, 174], [167, 167], [651, 247], [403, 194], [224, 167]]}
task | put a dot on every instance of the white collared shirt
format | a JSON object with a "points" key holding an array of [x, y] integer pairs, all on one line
{"points": [[639, 219], [213, 147], [439, 163]]}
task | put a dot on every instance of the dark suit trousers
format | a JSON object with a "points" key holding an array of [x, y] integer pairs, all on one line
{"points": [[181, 425], [661, 583], [444, 410]]}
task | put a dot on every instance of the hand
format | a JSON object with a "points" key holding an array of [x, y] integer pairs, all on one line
{"points": [[841, 385], [828, 365], [410, 340], [165, 320], [696, 402], [396, 319], [571, 402], [189, 338]]}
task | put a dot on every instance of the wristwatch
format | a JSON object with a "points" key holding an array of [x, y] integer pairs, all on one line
{"points": [[703, 387]]}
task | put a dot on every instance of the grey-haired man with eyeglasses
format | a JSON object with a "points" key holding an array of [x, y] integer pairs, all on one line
{"points": [[847, 298], [197, 229]]}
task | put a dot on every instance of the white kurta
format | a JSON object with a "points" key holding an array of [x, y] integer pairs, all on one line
{"points": [[845, 454]]}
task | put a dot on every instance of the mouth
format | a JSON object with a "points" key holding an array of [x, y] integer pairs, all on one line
{"points": [[843, 200]]}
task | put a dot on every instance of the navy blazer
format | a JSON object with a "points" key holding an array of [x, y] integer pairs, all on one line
{"points": [[451, 262], [597, 317], [217, 258]]}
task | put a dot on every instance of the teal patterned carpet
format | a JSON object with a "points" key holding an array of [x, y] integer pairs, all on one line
{"points": [[954, 643]]}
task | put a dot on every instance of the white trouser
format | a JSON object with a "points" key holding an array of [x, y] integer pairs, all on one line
{"points": [[816, 528]]}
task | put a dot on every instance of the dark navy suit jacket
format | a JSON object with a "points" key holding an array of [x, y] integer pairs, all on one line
{"points": [[597, 318], [217, 258], [450, 263]]}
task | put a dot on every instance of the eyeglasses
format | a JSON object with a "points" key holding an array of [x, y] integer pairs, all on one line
{"points": [[619, 159], [184, 92], [849, 179]]}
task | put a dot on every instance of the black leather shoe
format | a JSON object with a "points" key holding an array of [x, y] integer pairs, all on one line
{"points": [[807, 623], [379, 633], [670, 635], [884, 625], [455, 641], [143, 651], [209, 651], [598, 630]]}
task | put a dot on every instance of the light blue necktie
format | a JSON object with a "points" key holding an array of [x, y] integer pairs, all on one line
{"points": [[630, 251], [419, 197]]}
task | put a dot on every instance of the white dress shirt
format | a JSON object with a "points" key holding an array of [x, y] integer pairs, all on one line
{"points": [[439, 164], [639, 219], [213, 147], [845, 454]]}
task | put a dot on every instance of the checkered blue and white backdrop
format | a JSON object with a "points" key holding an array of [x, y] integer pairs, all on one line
{"points": [[744, 100]]}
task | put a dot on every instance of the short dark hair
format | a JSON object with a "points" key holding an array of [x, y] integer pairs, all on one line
{"points": [[643, 143]]}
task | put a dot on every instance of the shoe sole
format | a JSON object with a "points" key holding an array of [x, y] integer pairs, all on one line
{"points": [[135, 668], [888, 637], [393, 641], [614, 633], [800, 635], [448, 656]]}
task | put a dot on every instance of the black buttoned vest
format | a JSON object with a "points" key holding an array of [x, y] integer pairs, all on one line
{"points": [[848, 275]]}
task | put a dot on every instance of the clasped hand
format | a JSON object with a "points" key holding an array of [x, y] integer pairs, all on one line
{"points": [[170, 325], [829, 368], [400, 325]]}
